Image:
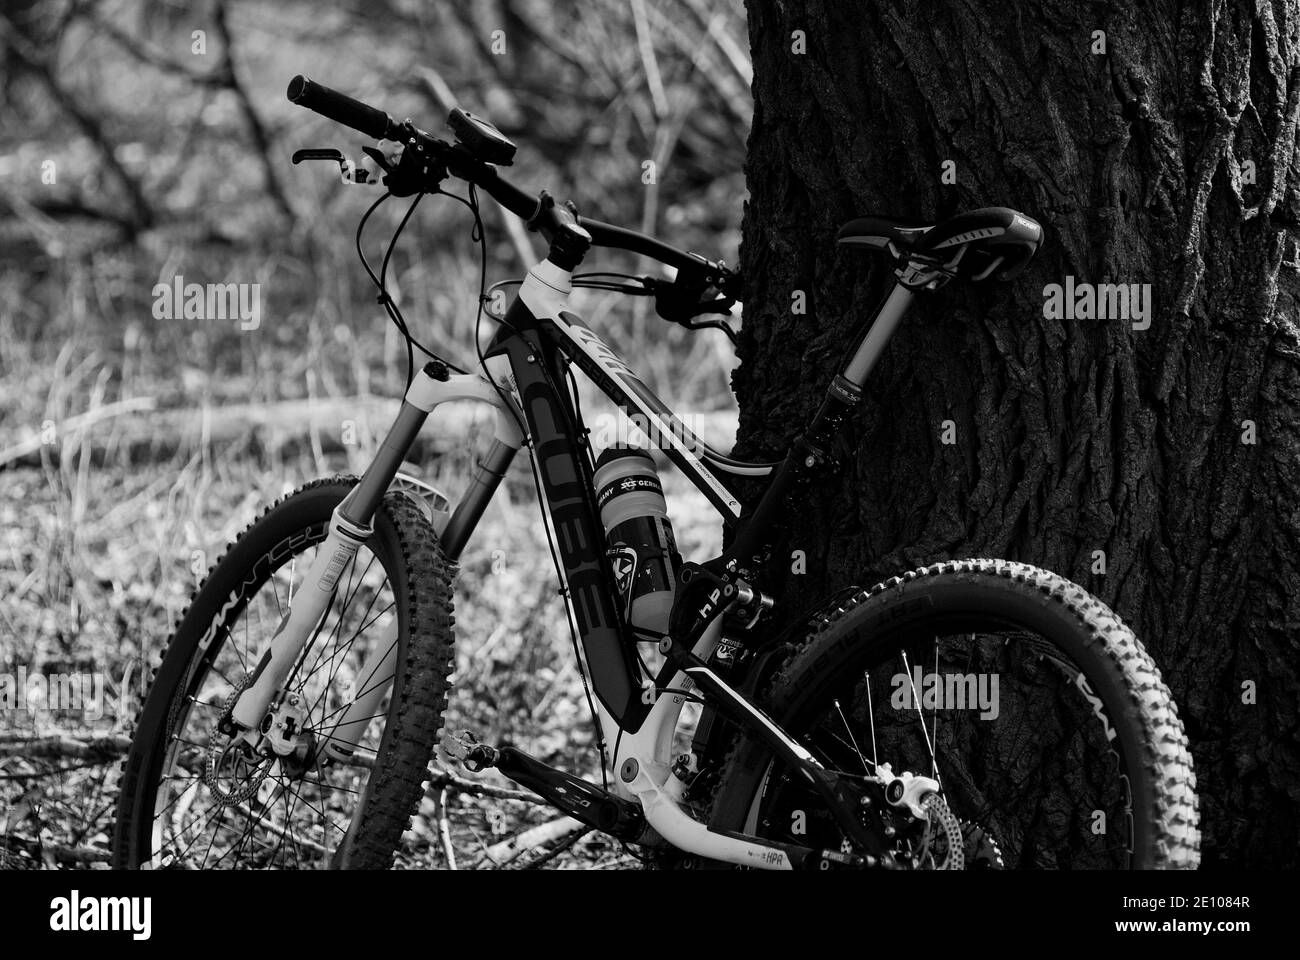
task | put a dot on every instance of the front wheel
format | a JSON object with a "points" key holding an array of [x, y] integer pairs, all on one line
{"points": [[1052, 739], [358, 721]]}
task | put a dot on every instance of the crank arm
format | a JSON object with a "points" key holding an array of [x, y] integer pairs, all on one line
{"points": [[584, 801]]}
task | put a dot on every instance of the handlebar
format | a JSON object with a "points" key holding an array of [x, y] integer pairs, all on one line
{"points": [[459, 162], [341, 108]]}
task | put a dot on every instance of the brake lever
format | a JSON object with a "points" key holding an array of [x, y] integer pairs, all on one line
{"points": [[721, 304], [678, 300], [694, 324], [680, 304], [351, 173], [377, 155], [317, 153]]}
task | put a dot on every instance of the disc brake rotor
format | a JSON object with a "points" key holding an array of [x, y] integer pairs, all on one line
{"points": [[227, 761], [941, 845]]}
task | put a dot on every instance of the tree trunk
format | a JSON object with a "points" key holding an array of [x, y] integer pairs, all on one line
{"points": [[1161, 153]]}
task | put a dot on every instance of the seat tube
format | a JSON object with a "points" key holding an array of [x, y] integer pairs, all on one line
{"points": [[891, 314]]}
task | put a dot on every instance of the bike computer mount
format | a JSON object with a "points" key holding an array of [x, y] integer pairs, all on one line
{"points": [[480, 138]]}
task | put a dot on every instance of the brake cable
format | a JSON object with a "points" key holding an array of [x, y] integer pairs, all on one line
{"points": [[477, 236], [599, 280], [607, 280], [390, 306]]}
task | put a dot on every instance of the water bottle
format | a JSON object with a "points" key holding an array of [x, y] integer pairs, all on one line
{"points": [[641, 548]]}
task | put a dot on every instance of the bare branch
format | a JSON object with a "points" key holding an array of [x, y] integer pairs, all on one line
{"points": [[500, 854], [444, 830], [141, 433], [566, 844], [99, 749], [645, 47], [444, 778], [40, 66], [155, 59], [41, 850], [712, 21], [261, 139]]}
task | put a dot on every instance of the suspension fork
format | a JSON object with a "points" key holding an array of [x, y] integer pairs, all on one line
{"points": [[351, 526]]}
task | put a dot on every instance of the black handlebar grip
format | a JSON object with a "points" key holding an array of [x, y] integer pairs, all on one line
{"points": [[339, 107]]}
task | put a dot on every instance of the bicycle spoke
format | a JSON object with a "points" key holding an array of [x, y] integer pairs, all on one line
{"points": [[861, 758], [934, 762], [871, 719], [916, 702]]}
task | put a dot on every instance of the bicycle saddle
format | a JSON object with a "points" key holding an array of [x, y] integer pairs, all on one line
{"points": [[991, 241]]}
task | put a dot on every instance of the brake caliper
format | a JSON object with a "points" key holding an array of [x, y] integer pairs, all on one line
{"points": [[287, 731], [938, 841], [906, 791]]}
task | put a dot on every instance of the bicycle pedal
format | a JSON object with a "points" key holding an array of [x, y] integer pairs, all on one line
{"points": [[466, 749], [458, 745]]}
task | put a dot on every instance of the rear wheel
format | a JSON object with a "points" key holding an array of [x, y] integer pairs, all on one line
{"points": [[1046, 726], [378, 665]]}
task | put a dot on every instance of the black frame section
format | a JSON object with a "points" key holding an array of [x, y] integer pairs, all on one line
{"points": [[558, 443], [539, 352]]}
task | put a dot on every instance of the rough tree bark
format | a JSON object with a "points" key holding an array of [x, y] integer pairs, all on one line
{"points": [[1169, 159]]}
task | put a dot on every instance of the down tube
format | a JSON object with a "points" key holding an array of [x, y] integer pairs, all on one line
{"points": [[570, 498]]}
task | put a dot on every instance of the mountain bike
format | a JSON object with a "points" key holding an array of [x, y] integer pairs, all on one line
{"points": [[973, 714]]}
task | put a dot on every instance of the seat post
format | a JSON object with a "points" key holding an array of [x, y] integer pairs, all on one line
{"points": [[886, 321]]}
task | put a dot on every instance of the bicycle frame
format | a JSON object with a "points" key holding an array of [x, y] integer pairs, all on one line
{"points": [[527, 360]]}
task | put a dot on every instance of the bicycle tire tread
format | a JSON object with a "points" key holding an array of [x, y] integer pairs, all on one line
{"points": [[1166, 758]]}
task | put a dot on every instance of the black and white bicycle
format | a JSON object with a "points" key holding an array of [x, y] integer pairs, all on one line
{"points": [[971, 714]]}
